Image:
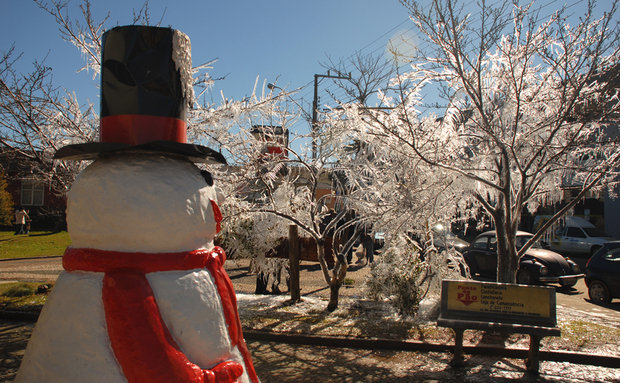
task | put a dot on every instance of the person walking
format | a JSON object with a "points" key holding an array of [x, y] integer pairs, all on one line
{"points": [[27, 224], [20, 221], [368, 242]]}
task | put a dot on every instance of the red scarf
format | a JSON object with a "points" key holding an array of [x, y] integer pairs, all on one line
{"points": [[138, 335]]}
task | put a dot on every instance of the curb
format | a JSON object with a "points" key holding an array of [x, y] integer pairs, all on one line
{"points": [[30, 258]]}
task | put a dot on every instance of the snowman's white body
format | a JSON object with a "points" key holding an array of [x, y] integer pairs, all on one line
{"points": [[132, 203]]}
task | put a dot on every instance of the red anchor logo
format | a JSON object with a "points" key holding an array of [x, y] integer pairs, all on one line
{"points": [[466, 297]]}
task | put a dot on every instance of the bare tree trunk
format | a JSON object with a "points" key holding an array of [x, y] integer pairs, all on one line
{"points": [[336, 279], [320, 251], [293, 256], [340, 271], [507, 257], [334, 292], [505, 226]]}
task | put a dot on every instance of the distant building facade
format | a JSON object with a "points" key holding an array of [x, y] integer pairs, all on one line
{"points": [[32, 191]]}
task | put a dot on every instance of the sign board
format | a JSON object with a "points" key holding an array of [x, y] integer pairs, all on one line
{"points": [[501, 301]]}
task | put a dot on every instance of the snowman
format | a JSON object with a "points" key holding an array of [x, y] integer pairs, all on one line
{"points": [[144, 296]]}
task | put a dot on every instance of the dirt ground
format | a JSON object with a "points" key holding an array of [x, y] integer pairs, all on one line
{"points": [[279, 362]]}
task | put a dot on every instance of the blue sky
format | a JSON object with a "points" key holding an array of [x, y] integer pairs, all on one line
{"points": [[281, 40], [278, 40]]}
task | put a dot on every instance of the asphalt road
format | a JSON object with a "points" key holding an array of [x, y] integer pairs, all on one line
{"points": [[577, 297], [47, 269]]}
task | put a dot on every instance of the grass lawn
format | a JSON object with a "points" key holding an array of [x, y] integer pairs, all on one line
{"points": [[22, 296], [36, 244]]}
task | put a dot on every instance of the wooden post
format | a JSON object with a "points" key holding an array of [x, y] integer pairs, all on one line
{"points": [[457, 359], [533, 361], [293, 258]]}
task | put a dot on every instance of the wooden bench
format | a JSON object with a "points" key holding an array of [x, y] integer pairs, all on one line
{"points": [[498, 307]]}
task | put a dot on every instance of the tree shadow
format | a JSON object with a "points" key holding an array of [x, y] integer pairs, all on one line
{"points": [[43, 234], [356, 267], [612, 306], [236, 276], [567, 290], [314, 291], [310, 267], [13, 340], [279, 362]]}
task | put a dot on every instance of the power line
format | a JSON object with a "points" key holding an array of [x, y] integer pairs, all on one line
{"points": [[379, 38], [334, 91]]}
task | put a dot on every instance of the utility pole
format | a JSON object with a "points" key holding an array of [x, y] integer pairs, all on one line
{"points": [[315, 105]]}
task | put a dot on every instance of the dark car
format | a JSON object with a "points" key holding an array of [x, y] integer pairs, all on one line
{"points": [[535, 266], [603, 273], [444, 239]]}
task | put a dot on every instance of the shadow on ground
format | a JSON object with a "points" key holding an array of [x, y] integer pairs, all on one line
{"points": [[13, 340], [277, 362]]}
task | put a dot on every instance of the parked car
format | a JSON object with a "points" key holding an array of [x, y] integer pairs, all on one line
{"points": [[603, 273], [537, 265], [444, 239], [578, 236]]}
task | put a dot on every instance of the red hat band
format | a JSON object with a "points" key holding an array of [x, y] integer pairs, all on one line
{"points": [[146, 92], [137, 129]]}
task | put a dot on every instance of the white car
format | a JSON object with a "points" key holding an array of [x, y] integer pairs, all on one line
{"points": [[578, 236]]}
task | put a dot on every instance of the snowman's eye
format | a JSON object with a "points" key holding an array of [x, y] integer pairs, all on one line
{"points": [[207, 176]]}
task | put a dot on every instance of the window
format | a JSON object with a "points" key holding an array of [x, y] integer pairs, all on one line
{"points": [[522, 240], [32, 193], [594, 232], [481, 243], [575, 232], [493, 243]]}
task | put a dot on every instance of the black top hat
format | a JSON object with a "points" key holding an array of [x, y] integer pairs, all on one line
{"points": [[146, 89]]}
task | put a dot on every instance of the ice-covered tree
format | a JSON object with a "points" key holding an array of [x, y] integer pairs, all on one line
{"points": [[529, 104], [37, 117], [272, 172], [405, 199], [399, 194]]}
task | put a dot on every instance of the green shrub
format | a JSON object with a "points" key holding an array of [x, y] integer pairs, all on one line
{"points": [[20, 290], [396, 277], [6, 202]]}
